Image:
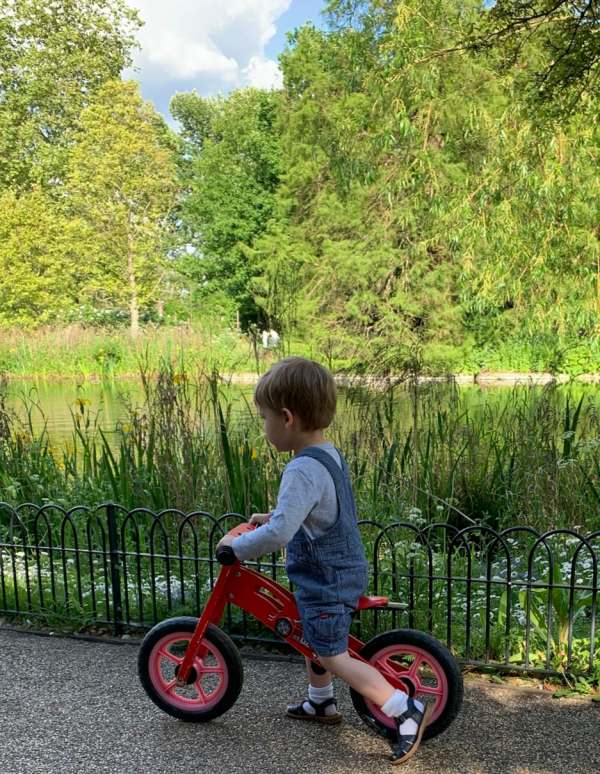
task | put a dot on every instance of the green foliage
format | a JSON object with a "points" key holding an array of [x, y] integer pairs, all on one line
{"points": [[397, 206], [556, 600], [525, 456], [194, 445], [42, 250], [379, 155], [53, 56], [553, 42], [122, 183], [423, 218], [231, 168], [87, 173], [535, 213], [78, 352]]}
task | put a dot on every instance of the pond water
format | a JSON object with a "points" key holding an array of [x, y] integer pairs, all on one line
{"points": [[52, 403]]}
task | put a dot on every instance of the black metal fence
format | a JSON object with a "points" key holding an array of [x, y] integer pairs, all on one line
{"points": [[515, 599]]}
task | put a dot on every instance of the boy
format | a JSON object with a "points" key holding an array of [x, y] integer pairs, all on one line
{"points": [[315, 518]]}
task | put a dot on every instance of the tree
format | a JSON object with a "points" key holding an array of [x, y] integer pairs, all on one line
{"points": [[53, 56], [555, 43], [43, 255], [122, 181], [379, 151], [531, 252], [230, 169]]}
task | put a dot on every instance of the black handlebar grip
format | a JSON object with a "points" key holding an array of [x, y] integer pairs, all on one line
{"points": [[225, 555]]}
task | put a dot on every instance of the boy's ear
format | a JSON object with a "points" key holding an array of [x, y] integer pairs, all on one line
{"points": [[288, 417]]}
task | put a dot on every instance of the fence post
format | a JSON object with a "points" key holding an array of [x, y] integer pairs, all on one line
{"points": [[115, 575]]}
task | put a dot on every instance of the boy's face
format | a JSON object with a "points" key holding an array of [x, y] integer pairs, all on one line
{"points": [[280, 428]]}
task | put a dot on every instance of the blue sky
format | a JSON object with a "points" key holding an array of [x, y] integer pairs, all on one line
{"points": [[213, 46], [299, 12]]}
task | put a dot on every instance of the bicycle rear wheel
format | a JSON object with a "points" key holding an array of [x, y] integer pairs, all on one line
{"points": [[427, 671]]}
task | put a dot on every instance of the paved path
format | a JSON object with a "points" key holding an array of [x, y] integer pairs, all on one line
{"points": [[71, 706]]}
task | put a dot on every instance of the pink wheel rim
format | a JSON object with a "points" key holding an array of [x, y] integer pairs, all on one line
{"points": [[422, 673], [211, 678]]}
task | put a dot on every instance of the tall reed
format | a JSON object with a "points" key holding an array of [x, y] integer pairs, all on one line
{"points": [[530, 456], [75, 351]]}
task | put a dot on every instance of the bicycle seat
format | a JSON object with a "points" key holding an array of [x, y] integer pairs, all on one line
{"points": [[364, 603]]}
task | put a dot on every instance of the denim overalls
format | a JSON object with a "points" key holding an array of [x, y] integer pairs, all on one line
{"points": [[330, 572]]}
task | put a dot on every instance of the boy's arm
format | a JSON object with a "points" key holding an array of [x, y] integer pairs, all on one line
{"points": [[295, 501]]}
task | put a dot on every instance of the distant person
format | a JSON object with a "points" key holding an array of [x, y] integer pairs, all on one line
{"points": [[315, 518], [270, 339]]}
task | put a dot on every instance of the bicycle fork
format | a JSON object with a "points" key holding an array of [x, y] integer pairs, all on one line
{"points": [[212, 613]]}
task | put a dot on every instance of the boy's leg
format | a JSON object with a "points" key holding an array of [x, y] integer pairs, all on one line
{"points": [[320, 705], [318, 679], [411, 716], [362, 677]]}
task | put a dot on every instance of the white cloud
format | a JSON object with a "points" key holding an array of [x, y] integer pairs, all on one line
{"points": [[263, 73], [209, 45]]}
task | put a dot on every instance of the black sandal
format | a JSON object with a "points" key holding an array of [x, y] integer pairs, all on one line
{"points": [[298, 712], [408, 744]]}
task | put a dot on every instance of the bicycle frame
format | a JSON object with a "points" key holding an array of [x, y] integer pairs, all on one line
{"points": [[269, 603]]}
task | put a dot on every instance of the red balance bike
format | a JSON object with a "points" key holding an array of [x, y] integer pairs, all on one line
{"points": [[192, 670]]}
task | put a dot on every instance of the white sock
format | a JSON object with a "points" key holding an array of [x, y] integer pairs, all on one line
{"points": [[319, 695], [395, 706]]}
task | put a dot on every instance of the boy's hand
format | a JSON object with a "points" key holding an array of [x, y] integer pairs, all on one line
{"points": [[225, 541], [259, 518]]}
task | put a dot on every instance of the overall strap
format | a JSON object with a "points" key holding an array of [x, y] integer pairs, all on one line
{"points": [[339, 475]]}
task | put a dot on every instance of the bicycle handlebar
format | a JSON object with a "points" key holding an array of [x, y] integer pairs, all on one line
{"points": [[225, 554]]}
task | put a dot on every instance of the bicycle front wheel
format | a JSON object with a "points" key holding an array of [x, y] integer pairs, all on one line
{"points": [[214, 683]]}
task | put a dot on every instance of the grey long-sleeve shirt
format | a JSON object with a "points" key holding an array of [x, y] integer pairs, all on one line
{"points": [[306, 499]]}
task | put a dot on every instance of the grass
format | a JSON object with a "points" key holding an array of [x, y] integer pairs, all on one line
{"points": [[78, 352]]}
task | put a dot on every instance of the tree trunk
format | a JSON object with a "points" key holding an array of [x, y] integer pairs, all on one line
{"points": [[598, 286], [134, 311]]}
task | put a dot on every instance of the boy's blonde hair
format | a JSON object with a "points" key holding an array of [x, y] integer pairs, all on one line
{"points": [[304, 387]]}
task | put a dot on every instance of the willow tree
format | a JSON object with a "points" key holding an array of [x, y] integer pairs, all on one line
{"points": [[554, 43], [380, 148], [530, 244], [122, 182]]}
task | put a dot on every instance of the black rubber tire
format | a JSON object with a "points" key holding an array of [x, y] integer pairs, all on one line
{"points": [[438, 652], [235, 671]]}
